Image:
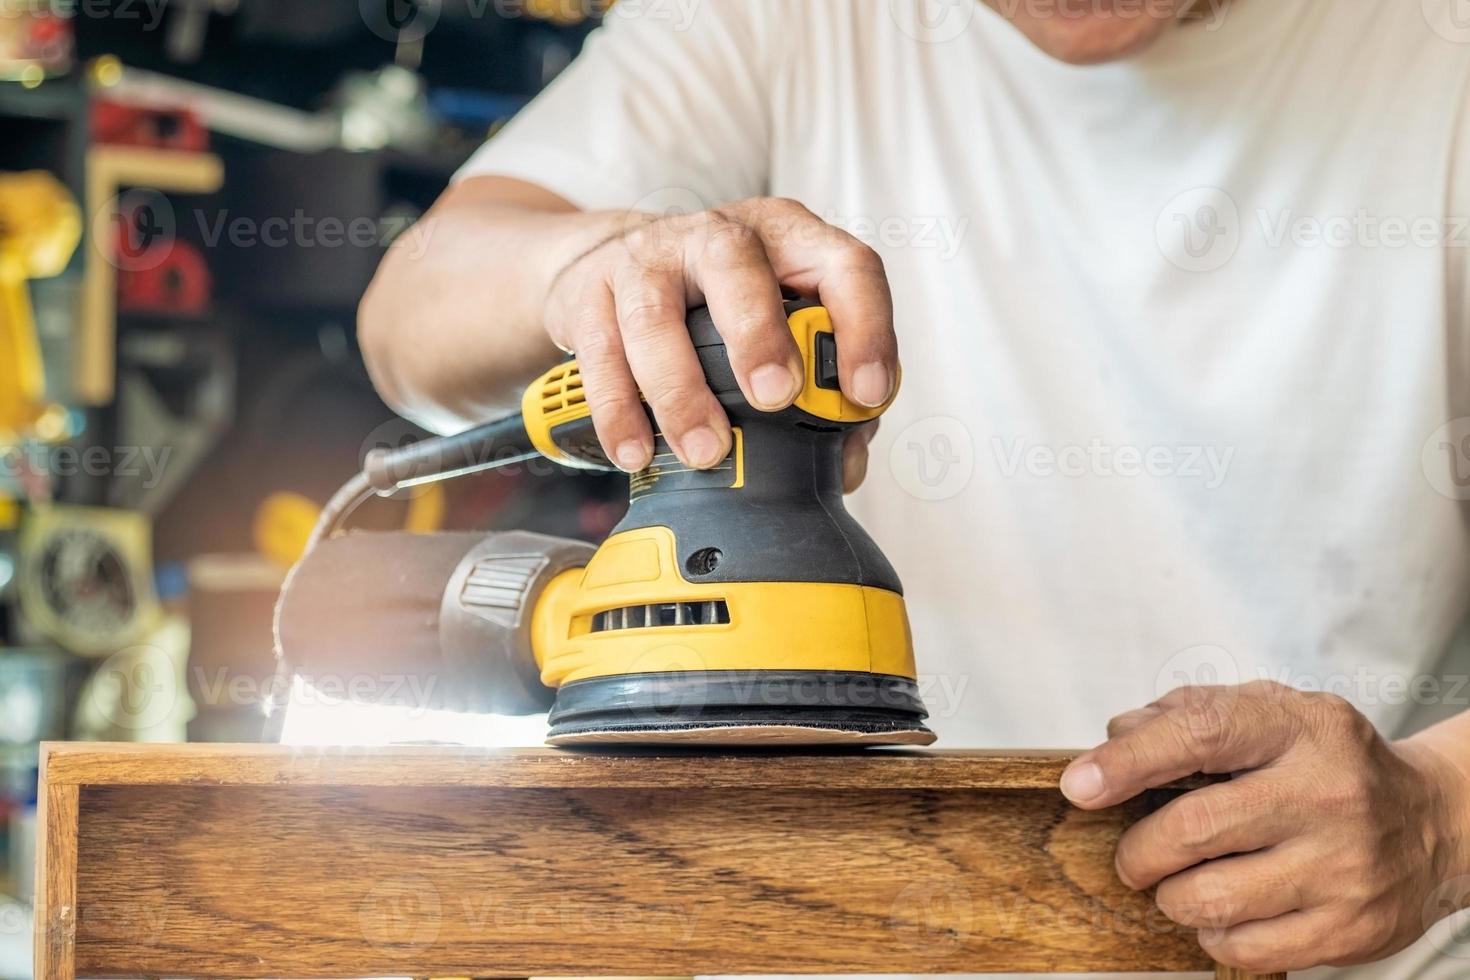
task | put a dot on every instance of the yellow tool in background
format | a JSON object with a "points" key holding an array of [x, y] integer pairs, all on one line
{"points": [[40, 226], [284, 521]]}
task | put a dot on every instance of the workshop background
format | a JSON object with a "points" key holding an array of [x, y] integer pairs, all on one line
{"points": [[193, 196]]}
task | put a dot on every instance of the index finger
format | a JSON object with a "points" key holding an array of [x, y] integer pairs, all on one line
{"points": [[817, 259], [1209, 735]]}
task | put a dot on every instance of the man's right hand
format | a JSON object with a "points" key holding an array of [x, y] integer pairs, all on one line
{"points": [[621, 308]]}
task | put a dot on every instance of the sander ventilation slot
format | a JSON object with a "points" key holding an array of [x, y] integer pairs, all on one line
{"points": [[712, 612]]}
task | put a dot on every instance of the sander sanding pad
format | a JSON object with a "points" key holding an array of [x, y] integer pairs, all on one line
{"points": [[750, 736]]}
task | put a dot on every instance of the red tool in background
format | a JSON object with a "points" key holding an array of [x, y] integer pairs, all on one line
{"points": [[179, 285], [162, 273], [163, 129]]}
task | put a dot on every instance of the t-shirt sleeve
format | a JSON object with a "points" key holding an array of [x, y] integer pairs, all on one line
{"points": [[666, 106]]}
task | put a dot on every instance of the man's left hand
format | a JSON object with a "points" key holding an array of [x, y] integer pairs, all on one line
{"points": [[1324, 848]]}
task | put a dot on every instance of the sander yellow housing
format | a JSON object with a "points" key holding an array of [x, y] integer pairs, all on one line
{"points": [[735, 605]]}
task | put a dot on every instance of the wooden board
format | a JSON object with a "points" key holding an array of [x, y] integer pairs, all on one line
{"points": [[250, 861]]}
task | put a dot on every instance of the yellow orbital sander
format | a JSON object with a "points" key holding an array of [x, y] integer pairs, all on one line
{"points": [[739, 605]]}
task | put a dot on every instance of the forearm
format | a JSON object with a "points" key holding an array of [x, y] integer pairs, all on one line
{"points": [[451, 326]]}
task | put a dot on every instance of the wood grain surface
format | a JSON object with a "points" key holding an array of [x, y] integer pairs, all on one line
{"points": [[255, 765], [56, 880], [442, 862]]}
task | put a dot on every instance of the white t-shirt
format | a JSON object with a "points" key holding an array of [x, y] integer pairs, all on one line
{"points": [[1184, 337]]}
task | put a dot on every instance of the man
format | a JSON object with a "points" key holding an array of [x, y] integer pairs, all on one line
{"points": [[1181, 300]]}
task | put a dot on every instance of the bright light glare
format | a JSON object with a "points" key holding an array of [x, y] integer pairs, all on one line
{"points": [[313, 719]]}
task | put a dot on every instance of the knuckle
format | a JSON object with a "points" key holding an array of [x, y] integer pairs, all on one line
{"points": [[611, 406], [1193, 823], [1204, 724], [788, 206], [653, 245], [1132, 753], [861, 258], [1341, 719], [643, 315], [673, 398], [638, 239], [594, 341], [747, 330], [1376, 932], [730, 246], [1270, 689], [1352, 796]]}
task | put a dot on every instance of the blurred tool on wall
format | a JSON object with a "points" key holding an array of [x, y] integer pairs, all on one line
{"points": [[193, 196], [36, 42]]}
